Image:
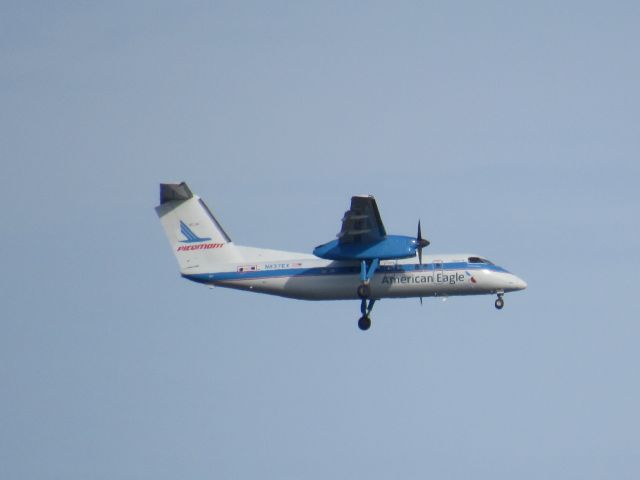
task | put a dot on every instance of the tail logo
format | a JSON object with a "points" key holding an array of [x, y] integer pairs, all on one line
{"points": [[190, 236]]}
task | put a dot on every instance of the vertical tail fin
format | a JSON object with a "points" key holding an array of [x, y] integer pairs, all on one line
{"points": [[197, 239]]}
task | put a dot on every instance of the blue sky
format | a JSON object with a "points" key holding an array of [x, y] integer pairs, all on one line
{"points": [[511, 130]]}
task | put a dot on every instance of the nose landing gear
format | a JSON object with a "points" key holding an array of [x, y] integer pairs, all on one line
{"points": [[500, 301]]}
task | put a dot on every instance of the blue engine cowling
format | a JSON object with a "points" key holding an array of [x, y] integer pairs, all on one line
{"points": [[391, 247]]}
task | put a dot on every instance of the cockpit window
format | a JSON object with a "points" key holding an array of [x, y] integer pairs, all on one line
{"points": [[479, 260]]}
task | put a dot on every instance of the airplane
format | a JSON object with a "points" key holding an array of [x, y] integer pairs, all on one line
{"points": [[363, 263]]}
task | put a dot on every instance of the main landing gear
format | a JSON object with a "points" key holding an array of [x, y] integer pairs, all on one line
{"points": [[364, 292], [364, 323], [500, 301], [366, 274]]}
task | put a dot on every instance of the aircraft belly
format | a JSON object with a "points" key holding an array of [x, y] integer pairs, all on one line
{"points": [[325, 287]]}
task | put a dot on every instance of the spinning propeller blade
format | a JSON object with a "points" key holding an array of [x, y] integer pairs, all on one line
{"points": [[422, 242]]}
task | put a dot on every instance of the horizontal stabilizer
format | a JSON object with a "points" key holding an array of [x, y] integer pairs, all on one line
{"points": [[170, 192]]}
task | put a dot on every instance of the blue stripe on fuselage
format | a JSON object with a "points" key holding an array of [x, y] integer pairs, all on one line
{"points": [[342, 270]]}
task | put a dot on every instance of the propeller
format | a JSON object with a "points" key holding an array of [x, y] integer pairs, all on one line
{"points": [[422, 242]]}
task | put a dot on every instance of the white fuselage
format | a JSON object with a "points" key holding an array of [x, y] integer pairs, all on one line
{"points": [[307, 277]]}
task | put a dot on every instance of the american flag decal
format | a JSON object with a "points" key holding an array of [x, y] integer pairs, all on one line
{"points": [[247, 268]]}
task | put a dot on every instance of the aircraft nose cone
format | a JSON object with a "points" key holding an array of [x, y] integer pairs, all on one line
{"points": [[514, 283], [520, 284]]}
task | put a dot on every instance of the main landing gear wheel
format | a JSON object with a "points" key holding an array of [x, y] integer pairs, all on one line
{"points": [[499, 302], [364, 291], [364, 323]]}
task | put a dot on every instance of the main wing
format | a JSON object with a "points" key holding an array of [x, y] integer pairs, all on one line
{"points": [[362, 222], [363, 237]]}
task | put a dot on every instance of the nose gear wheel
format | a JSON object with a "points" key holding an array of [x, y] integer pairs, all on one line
{"points": [[499, 302]]}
